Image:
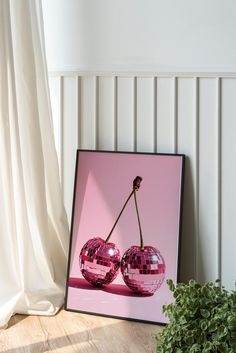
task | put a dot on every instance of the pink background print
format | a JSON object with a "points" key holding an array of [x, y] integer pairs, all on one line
{"points": [[104, 181]]}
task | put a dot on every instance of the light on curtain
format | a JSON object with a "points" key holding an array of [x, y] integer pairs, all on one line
{"points": [[33, 224]]}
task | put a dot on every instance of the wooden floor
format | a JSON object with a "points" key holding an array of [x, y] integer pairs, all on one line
{"points": [[69, 332]]}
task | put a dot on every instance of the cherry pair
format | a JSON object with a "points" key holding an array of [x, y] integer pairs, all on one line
{"points": [[142, 267]]}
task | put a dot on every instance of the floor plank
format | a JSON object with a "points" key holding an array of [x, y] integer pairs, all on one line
{"points": [[70, 332]]}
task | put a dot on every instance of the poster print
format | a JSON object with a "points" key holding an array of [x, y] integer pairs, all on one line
{"points": [[124, 234]]}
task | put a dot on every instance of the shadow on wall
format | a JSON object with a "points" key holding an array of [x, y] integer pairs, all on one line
{"points": [[188, 240]]}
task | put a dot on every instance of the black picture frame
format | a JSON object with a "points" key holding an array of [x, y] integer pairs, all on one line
{"points": [[98, 175]]}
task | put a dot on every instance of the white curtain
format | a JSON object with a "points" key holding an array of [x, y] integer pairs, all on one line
{"points": [[33, 223]]}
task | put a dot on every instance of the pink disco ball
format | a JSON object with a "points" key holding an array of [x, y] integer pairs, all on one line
{"points": [[99, 262], [143, 271]]}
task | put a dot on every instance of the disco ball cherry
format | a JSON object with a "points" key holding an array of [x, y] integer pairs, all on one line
{"points": [[143, 271], [99, 261]]}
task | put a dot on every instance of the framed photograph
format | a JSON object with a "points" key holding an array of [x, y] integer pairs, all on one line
{"points": [[125, 234]]}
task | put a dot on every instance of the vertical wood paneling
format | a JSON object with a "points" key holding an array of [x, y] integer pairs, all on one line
{"points": [[69, 138], [164, 126], [106, 113], [194, 116], [228, 182], [145, 114], [175, 114], [219, 174], [125, 114], [55, 96], [186, 144], [88, 113], [207, 251]]}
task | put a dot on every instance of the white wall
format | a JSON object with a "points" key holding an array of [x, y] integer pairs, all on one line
{"points": [[141, 35], [126, 101]]}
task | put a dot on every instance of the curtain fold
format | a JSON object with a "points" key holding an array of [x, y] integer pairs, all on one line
{"points": [[33, 224]]}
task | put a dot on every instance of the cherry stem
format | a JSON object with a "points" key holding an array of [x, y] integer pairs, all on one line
{"points": [[109, 235], [139, 223]]}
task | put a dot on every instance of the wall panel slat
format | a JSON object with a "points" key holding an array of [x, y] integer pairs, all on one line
{"points": [[145, 114], [186, 139], [228, 182], [208, 178], [88, 113], [125, 114], [69, 137], [106, 113], [165, 107]]}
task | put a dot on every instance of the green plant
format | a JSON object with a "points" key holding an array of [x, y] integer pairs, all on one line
{"points": [[202, 320]]}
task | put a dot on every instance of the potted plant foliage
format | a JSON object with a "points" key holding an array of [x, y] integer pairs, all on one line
{"points": [[202, 320]]}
